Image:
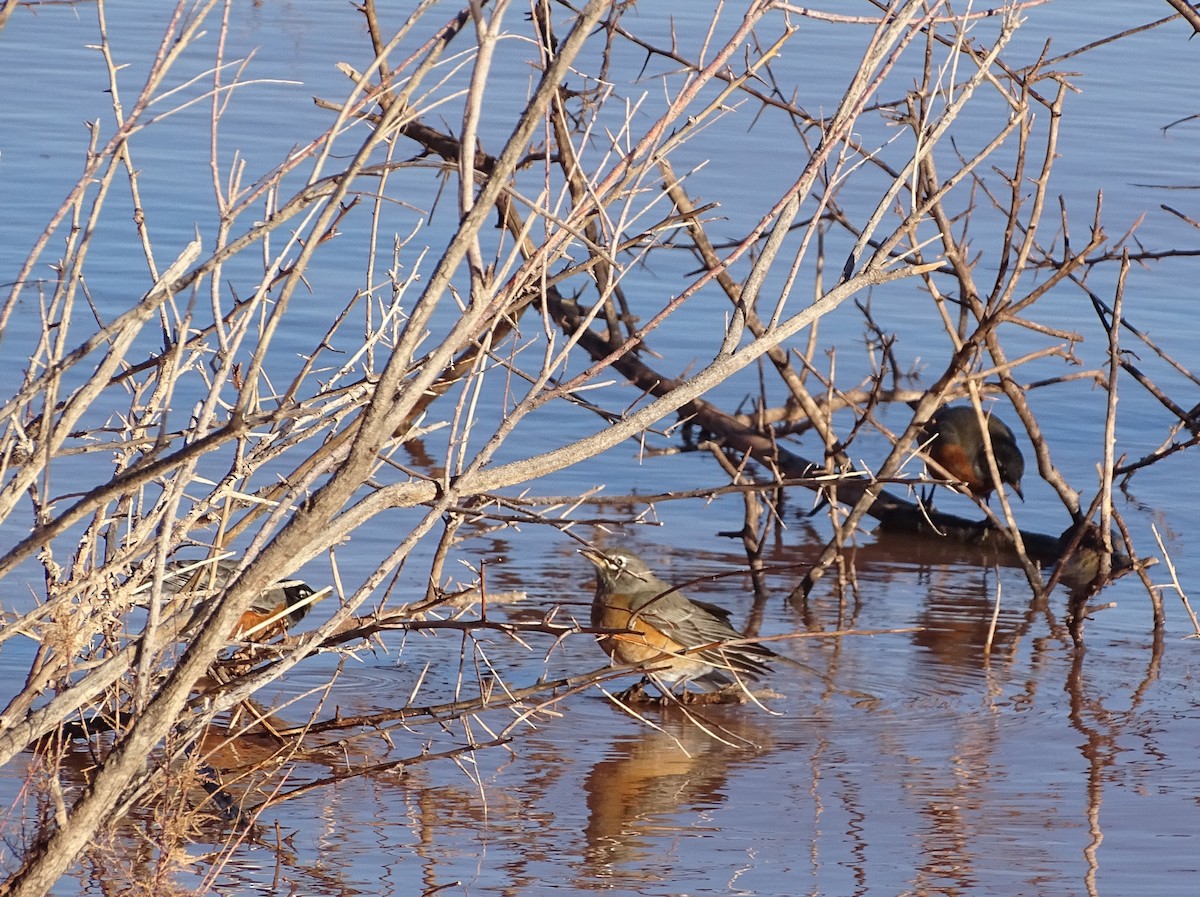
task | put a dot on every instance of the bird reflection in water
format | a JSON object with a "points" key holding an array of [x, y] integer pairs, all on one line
{"points": [[660, 783]]}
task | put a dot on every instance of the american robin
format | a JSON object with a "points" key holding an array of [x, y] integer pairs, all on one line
{"points": [[679, 639], [957, 445], [284, 602]]}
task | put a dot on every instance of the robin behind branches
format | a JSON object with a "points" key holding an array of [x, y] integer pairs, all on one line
{"points": [[282, 605], [657, 627], [956, 443]]}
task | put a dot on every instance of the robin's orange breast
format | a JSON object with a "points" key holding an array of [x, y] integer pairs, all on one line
{"points": [[644, 643], [252, 619], [286, 604], [956, 462]]}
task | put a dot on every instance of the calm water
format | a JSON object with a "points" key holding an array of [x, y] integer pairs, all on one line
{"points": [[921, 765]]}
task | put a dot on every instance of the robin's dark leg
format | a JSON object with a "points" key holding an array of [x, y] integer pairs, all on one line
{"points": [[925, 499], [636, 693]]}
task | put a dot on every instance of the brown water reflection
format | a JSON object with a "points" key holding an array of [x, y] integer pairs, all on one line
{"points": [[651, 778]]}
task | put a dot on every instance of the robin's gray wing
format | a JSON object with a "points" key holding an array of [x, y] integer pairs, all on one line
{"points": [[197, 575], [693, 626]]}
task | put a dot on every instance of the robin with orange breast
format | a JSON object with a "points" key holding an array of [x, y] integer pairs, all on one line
{"points": [[956, 443], [282, 605], [657, 627]]}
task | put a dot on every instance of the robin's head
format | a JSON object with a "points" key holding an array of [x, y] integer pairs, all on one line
{"points": [[1009, 460], [294, 594], [618, 566], [1011, 464]]}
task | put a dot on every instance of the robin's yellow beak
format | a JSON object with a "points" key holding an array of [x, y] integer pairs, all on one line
{"points": [[596, 556]]}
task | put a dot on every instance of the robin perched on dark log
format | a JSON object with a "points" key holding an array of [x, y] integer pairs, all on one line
{"points": [[282, 605], [655, 626], [956, 443]]}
